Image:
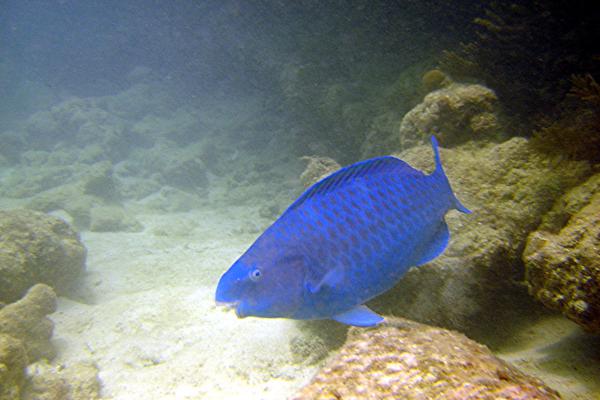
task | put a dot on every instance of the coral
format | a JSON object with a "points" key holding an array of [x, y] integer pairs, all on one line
{"points": [[434, 79], [509, 187], [37, 248], [454, 114], [26, 321], [563, 269], [25, 334], [317, 169], [13, 360], [407, 360]]}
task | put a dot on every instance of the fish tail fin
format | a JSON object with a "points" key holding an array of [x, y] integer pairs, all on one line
{"points": [[440, 174]]}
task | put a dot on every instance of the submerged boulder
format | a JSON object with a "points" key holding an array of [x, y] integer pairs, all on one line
{"points": [[563, 267], [455, 114], [317, 169], [26, 321], [407, 360], [13, 360], [37, 248], [508, 186]]}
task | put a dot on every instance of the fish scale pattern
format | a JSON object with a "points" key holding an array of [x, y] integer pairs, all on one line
{"points": [[365, 222]]}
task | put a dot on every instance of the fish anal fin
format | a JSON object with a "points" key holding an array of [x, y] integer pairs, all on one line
{"points": [[359, 316], [435, 246]]}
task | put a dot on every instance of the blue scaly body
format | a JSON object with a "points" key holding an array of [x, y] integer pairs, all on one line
{"points": [[346, 239]]}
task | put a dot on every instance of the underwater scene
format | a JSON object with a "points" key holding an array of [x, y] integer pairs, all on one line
{"points": [[342, 199]]}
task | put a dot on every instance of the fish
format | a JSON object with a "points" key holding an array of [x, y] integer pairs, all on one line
{"points": [[347, 239]]}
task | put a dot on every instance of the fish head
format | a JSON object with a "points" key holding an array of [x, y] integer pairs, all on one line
{"points": [[263, 287]]}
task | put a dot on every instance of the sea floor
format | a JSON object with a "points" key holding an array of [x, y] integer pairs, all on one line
{"points": [[148, 321], [151, 325]]}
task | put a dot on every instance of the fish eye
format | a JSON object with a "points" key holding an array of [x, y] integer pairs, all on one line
{"points": [[255, 275]]}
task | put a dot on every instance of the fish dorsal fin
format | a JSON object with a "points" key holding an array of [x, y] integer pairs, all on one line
{"points": [[346, 175]]}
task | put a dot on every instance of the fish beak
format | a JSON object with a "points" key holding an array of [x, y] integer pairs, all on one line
{"points": [[232, 305], [228, 305]]}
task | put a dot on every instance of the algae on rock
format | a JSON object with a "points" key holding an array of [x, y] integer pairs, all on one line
{"points": [[37, 248], [26, 321], [13, 360], [455, 114], [563, 268], [406, 360], [508, 186]]}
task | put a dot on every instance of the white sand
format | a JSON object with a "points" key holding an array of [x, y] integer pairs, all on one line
{"points": [[154, 331]]}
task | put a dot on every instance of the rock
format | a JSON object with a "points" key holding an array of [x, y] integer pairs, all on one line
{"points": [[37, 248], [455, 114], [508, 186], [563, 268], [13, 360], [569, 204], [186, 174], [407, 360], [170, 199], [113, 219], [26, 321], [381, 137], [70, 198], [28, 181], [434, 79], [102, 184], [49, 382], [317, 169]]}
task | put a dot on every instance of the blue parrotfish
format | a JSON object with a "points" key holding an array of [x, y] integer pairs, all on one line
{"points": [[348, 238]]}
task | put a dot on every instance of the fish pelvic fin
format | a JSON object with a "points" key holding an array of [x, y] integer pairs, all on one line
{"points": [[359, 316], [440, 174]]}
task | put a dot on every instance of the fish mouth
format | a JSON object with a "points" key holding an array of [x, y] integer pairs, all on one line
{"points": [[232, 305]]}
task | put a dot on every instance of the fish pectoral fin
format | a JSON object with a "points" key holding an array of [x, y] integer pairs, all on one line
{"points": [[435, 246], [359, 316], [332, 279]]}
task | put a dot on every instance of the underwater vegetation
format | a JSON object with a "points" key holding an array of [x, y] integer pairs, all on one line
{"points": [[574, 130], [527, 52]]}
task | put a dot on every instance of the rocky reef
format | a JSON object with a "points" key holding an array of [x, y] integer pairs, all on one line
{"points": [[455, 114], [37, 248], [24, 337], [12, 367], [317, 168], [26, 321], [509, 186], [562, 259], [407, 360], [25, 348]]}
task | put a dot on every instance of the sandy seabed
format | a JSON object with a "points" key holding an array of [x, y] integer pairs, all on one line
{"points": [[151, 325], [148, 321]]}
